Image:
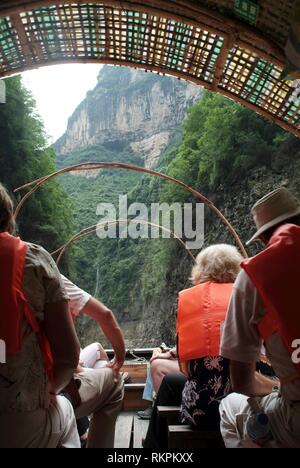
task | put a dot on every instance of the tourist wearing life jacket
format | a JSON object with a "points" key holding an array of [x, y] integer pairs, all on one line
{"points": [[42, 348], [265, 310], [201, 315]]}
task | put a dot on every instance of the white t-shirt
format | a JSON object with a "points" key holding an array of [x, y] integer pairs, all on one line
{"points": [[78, 298], [241, 340]]}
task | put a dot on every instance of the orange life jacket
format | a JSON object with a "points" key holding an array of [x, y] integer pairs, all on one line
{"points": [[14, 307], [276, 274], [201, 312]]}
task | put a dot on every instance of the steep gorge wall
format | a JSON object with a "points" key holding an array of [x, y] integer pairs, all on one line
{"points": [[129, 108], [158, 316]]}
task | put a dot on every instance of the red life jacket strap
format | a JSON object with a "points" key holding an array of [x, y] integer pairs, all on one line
{"points": [[36, 328], [12, 258], [15, 305], [29, 315]]}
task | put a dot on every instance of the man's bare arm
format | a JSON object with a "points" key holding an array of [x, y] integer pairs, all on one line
{"points": [[109, 325], [64, 343], [245, 380]]}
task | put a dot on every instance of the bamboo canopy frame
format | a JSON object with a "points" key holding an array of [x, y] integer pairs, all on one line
{"points": [[234, 47], [104, 165], [93, 229]]}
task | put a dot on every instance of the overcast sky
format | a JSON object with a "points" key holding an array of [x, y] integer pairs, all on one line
{"points": [[58, 90]]}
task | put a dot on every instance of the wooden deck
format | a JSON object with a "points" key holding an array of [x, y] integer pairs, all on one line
{"points": [[130, 431]]}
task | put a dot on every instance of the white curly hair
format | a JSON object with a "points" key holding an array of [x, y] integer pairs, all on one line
{"points": [[220, 263]]}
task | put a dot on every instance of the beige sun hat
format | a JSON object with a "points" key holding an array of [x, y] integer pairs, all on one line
{"points": [[273, 209]]}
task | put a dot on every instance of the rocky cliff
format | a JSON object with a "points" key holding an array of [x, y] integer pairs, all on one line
{"points": [[129, 108]]}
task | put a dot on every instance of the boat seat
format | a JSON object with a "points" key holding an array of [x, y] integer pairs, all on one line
{"points": [[181, 437], [170, 413]]}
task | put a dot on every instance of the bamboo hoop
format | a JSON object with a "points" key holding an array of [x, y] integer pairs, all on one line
{"points": [[102, 165], [92, 229]]}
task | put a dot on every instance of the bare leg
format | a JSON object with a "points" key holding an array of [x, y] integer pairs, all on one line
{"points": [[102, 353], [160, 368], [93, 354]]}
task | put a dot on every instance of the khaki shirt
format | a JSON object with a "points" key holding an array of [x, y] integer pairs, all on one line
{"points": [[242, 342], [23, 380]]}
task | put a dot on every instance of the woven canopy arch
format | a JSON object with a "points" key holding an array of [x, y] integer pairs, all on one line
{"points": [[234, 47]]}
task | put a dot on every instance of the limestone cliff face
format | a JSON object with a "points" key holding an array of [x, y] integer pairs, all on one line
{"points": [[129, 108]]}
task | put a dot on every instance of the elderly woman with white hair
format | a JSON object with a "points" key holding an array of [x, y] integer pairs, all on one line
{"points": [[201, 314], [202, 311]]}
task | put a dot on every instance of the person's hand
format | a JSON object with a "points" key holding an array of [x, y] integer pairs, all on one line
{"points": [[167, 356], [116, 365], [79, 369]]}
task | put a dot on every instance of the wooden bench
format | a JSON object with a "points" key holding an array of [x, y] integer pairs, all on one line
{"points": [[136, 370], [181, 437], [133, 399], [170, 413]]}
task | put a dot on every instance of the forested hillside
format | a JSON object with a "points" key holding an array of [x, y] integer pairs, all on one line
{"points": [[25, 156], [226, 151]]}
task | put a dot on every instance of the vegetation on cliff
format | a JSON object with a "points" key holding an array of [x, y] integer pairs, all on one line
{"points": [[227, 152], [25, 156]]}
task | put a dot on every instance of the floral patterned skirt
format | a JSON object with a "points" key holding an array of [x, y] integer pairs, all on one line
{"points": [[208, 384]]}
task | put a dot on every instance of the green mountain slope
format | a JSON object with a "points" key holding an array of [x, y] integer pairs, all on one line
{"points": [[25, 156], [224, 150]]}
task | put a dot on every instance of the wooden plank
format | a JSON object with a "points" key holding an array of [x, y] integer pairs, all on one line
{"points": [[182, 437], [189, 433], [170, 413], [139, 352], [124, 428], [133, 400], [140, 432], [136, 370], [168, 410]]}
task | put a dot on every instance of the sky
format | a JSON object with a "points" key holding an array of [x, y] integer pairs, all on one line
{"points": [[58, 90]]}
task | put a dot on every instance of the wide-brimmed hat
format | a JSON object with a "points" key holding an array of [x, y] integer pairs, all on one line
{"points": [[273, 209]]}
